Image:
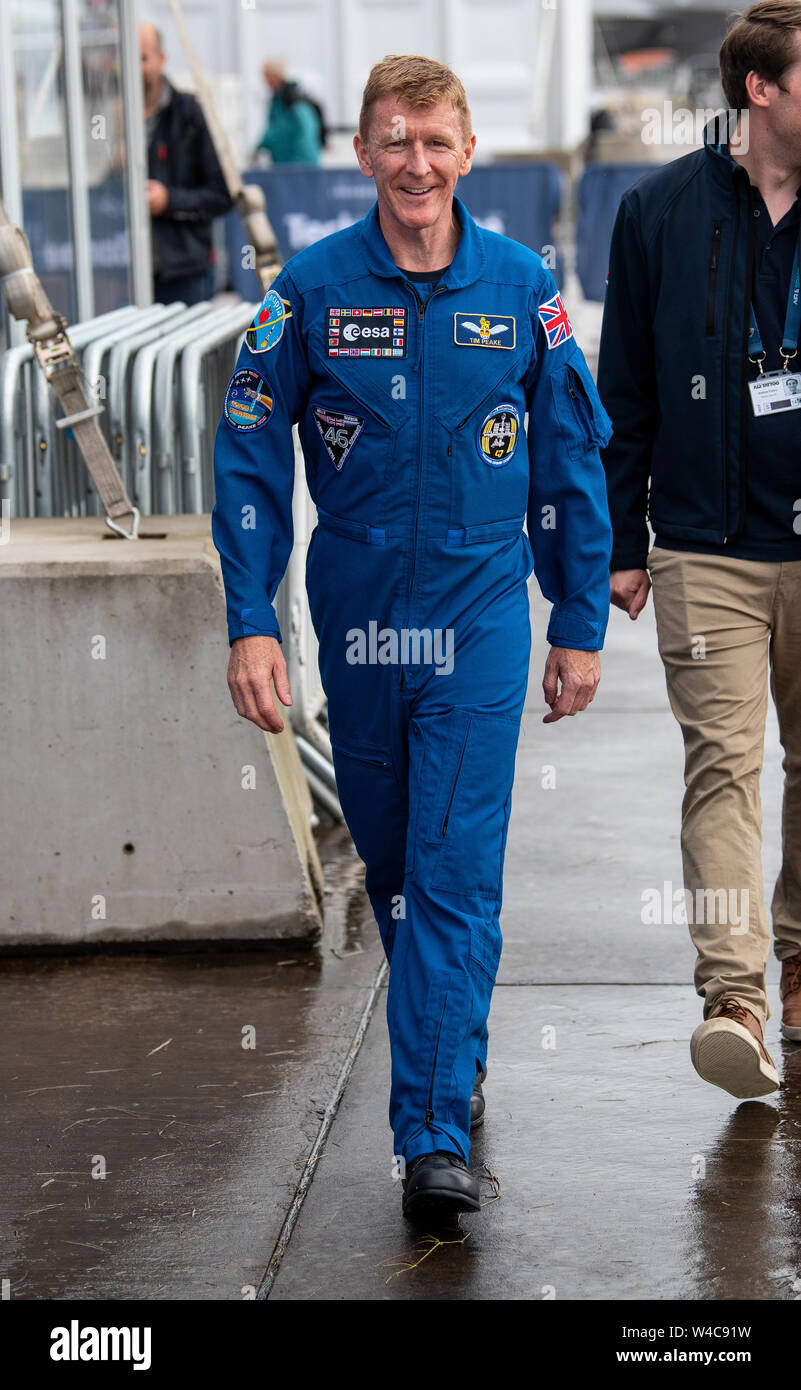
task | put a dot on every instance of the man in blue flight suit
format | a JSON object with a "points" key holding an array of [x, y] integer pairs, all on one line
{"points": [[408, 348]]}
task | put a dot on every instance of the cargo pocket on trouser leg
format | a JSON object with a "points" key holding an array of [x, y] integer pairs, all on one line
{"points": [[471, 833]]}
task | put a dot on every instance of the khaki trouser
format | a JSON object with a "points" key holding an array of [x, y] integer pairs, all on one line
{"points": [[723, 625]]}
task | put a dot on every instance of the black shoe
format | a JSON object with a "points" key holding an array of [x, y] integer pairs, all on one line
{"points": [[438, 1184], [477, 1102]]}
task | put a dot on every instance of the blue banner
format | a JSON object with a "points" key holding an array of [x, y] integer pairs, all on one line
{"points": [[518, 200], [46, 219], [599, 192]]}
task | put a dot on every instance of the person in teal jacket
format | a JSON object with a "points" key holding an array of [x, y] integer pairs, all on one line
{"points": [[410, 348], [293, 127]]}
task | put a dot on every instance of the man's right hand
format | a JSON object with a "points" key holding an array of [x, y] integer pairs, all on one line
{"points": [[628, 589], [253, 663]]}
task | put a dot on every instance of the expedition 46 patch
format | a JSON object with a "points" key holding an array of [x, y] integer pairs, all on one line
{"points": [[366, 332], [338, 432]]}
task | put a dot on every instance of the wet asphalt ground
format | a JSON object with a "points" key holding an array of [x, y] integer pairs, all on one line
{"points": [[148, 1153]]}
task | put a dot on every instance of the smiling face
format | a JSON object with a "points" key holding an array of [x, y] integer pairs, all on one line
{"points": [[416, 155]]}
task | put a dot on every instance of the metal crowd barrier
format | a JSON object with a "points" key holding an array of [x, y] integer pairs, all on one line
{"points": [[160, 373], [25, 477]]}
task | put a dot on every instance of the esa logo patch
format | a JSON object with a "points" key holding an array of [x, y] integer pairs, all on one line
{"points": [[497, 434], [338, 433], [248, 400], [268, 325], [366, 332], [484, 330]]}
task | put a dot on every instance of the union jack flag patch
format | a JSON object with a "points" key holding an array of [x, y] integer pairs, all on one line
{"points": [[553, 316]]}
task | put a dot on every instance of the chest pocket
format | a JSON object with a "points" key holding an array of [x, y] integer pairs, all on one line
{"points": [[488, 458], [473, 377], [578, 408], [378, 385]]}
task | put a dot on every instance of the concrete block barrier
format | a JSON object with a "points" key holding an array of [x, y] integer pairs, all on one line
{"points": [[136, 805]]}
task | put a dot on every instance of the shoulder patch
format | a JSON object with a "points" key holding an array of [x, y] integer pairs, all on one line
{"points": [[268, 326], [248, 401], [553, 317]]}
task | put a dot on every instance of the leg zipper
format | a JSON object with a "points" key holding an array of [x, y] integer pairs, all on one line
{"points": [[430, 1112], [453, 791]]}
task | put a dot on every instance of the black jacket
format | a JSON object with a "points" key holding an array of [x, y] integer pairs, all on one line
{"points": [[181, 155], [673, 359]]}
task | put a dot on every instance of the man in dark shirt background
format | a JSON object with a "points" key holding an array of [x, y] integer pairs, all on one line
{"points": [[697, 246], [185, 188]]}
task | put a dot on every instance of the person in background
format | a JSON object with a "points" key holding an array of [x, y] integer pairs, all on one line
{"points": [[295, 131], [185, 188], [701, 323]]}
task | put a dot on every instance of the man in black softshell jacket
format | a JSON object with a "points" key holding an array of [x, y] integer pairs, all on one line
{"points": [[185, 187], [699, 373]]}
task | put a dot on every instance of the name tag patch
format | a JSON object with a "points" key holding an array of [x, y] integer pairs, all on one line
{"points": [[268, 326], [498, 434], [338, 433], [248, 400], [366, 332], [484, 330]]}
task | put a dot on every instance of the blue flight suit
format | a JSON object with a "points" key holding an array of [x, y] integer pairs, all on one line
{"points": [[411, 416]]}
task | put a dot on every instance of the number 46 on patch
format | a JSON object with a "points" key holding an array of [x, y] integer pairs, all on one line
{"points": [[338, 433]]}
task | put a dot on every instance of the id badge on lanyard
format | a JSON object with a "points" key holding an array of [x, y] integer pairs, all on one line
{"points": [[775, 391]]}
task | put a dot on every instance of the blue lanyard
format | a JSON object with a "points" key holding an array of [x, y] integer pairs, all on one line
{"points": [[792, 320]]}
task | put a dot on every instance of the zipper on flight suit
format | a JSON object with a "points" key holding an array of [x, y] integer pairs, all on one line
{"points": [[453, 791], [421, 312], [430, 1111]]}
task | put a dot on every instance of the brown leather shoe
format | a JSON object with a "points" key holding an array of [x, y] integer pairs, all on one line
{"points": [[790, 990], [727, 1050]]}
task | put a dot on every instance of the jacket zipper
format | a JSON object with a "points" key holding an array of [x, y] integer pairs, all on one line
{"points": [[742, 450], [430, 1111], [712, 284], [724, 392]]}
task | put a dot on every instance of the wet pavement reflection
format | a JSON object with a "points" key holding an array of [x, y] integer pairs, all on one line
{"points": [[162, 1106]]}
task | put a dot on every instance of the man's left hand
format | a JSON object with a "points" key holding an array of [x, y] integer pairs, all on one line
{"points": [[579, 674], [157, 197]]}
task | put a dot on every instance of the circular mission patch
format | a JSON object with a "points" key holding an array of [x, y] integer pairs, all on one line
{"points": [[497, 434], [268, 326], [248, 400]]}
